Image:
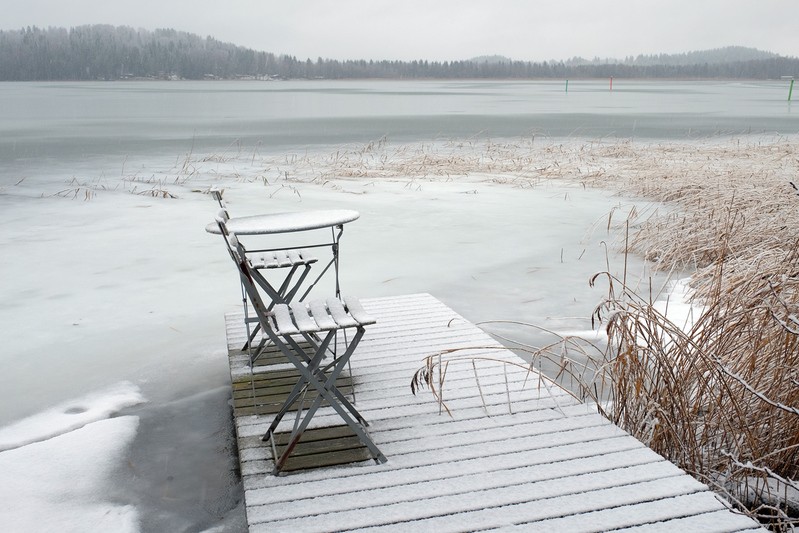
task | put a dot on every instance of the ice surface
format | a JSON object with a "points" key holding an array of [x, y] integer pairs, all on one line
{"points": [[57, 466]]}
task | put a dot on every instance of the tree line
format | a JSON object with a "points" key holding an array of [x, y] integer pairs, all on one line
{"points": [[104, 52]]}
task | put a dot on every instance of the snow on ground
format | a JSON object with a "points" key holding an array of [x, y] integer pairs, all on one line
{"points": [[677, 306], [674, 303], [58, 467]]}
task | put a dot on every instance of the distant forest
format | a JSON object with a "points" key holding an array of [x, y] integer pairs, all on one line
{"points": [[103, 52]]}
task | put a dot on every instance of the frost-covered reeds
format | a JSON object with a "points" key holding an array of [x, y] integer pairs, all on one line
{"points": [[719, 398], [722, 202]]}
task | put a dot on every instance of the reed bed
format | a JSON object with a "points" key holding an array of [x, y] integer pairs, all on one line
{"points": [[720, 398], [520, 161]]}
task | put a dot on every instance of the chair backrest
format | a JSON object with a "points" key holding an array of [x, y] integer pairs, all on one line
{"points": [[249, 277], [221, 220], [216, 194]]}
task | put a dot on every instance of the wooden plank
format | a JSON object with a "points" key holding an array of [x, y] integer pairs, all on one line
{"points": [[272, 404], [560, 463], [325, 445], [337, 458], [713, 521], [322, 447], [692, 507], [540, 461], [260, 387], [264, 394]]}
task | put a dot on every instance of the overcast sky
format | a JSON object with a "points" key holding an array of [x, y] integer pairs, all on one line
{"points": [[443, 29]]}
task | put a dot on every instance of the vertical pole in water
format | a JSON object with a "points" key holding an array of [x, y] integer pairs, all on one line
{"points": [[567, 85], [611, 83], [790, 91]]}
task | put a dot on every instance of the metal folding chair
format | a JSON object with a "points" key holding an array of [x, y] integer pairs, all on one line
{"points": [[294, 260], [318, 323]]}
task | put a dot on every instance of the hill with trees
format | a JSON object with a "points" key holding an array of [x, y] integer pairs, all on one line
{"points": [[103, 52], [728, 54]]}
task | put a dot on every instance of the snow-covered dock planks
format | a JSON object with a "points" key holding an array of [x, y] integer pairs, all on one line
{"points": [[514, 452]]}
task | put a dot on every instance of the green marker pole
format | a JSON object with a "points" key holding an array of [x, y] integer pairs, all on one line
{"points": [[567, 86], [790, 91]]}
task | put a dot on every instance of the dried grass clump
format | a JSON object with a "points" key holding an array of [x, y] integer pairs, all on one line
{"points": [[566, 353], [721, 399], [732, 199]]}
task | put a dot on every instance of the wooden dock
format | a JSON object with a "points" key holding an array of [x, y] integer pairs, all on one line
{"points": [[516, 452]]}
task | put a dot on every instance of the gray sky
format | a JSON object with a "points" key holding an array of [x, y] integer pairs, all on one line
{"points": [[444, 29]]}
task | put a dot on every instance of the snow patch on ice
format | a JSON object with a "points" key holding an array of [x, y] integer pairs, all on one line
{"points": [[70, 415], [61, 484], [675, 305]]}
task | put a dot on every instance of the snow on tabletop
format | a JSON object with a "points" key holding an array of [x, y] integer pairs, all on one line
{"points": [[290, 222]]}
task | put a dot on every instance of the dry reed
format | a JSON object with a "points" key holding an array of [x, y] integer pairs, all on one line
{"points": [[720, 399]]}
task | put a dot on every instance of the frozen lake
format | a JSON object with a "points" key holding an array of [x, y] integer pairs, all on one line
{"points": [[114, 291], [47, 126]]}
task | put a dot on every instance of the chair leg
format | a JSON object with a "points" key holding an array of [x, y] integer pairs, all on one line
{"points": [[324, 392], [302, 383], [327, 390], [251, 338], [292, 293]]}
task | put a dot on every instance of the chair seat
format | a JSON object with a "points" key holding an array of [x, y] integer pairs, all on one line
{"points": [[318, 316], [280, 259]]}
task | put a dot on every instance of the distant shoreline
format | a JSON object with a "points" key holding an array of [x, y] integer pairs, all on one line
{"points": [[420, 80]]}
